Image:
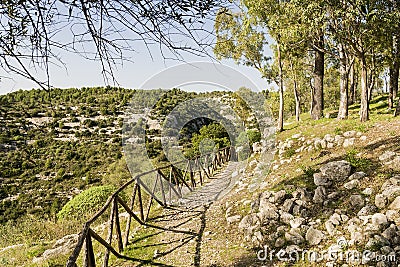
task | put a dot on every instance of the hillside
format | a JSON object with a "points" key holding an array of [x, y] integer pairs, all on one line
{"points": [[256, 213]]}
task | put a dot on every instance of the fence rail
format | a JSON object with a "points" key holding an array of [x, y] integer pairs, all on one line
{"points": [[169, 185]]}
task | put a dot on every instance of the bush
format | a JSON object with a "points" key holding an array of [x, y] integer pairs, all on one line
{"points": [[86, 203]]}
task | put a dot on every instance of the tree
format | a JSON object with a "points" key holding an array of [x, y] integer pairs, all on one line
{"points": [[33, 33], [362, 26]]}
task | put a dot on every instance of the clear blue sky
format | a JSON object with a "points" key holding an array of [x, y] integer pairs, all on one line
{"points": [[79, 72]]}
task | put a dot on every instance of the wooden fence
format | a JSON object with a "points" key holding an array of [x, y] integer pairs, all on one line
{"points": [[164, 185]]}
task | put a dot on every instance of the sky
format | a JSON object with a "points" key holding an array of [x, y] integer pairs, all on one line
{"points": [[78, 72]]}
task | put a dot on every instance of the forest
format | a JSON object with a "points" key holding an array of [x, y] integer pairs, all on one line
{"points": [[325, 54]]}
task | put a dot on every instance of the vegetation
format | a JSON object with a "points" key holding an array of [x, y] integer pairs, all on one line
{"points": [[86, 203]]}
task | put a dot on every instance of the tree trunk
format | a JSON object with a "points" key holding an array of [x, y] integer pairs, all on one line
{"points": [[397, 111], [281, 100], [343, 105], [364, 109], [296, 93], [352, 87], [393, 82], [318, 88]]}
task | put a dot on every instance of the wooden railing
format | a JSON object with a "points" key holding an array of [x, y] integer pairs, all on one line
{"points": [[164, 185]]}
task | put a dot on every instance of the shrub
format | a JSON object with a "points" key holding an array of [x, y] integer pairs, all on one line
{"points": [[360, 164], [86, 203]]}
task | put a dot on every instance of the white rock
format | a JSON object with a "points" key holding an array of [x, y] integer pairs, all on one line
{"points": [[395, 205], [314, 236], [352, 184]]}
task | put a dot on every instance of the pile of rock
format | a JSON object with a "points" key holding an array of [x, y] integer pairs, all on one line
{"points": [[298, 143], [296, 219]]}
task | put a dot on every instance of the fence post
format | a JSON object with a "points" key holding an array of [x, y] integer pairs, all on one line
{"points": [[110, 230], [89, 255]]}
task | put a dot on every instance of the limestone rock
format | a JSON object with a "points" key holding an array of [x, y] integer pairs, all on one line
{"points": [[314, 236], [336, 170], [395, 204], [319, 194]]}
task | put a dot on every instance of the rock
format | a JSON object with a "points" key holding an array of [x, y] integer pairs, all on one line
{"points": [[296, 222], [348, 142], [395, 205], [268, 214], [279, 197], [350, 134], [280, 242], [336, 170], [391, 192], [380, 201], [233, 219], [390, 232], [296, 136], [393, 216], [288, 205], [319, 194], [248, 221], [320, 179], [335, 219], [330, 228], [314, 236], [62, 246], [294, 236], [363, 138], [368, 191], [352, 184], [379, 220], [286, 217], [329, 138], [367, 210], [339, 140], [357, 201], [387, 156], [357, 175]]}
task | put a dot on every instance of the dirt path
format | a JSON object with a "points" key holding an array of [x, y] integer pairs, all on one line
{"points": [[197, 232]]}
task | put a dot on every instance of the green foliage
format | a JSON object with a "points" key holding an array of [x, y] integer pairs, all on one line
{"points": [[359, 163], [86, 203], [210, 137], [308, 171]]}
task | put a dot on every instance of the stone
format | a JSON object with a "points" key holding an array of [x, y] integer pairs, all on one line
{"points": [[380, 201], [268, 214], [319, 194], [357, 200], [363, 138], [314, 236], [279, 196], [351, 184], [296, 222], [349, 134], [367, 210], [288, 205], [329, 138], [391, 192], [248, 221], [320, 179], [387, 156], [233, 219], [339, 140], [395, 205], [286, 217], [393, 216], [61, 247], [294, 236], [330, 228], [348, 142], [390, 232], [280, 242], [336, 170], [368, 191], [379, 220], [335, 219], [357, 175]]}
